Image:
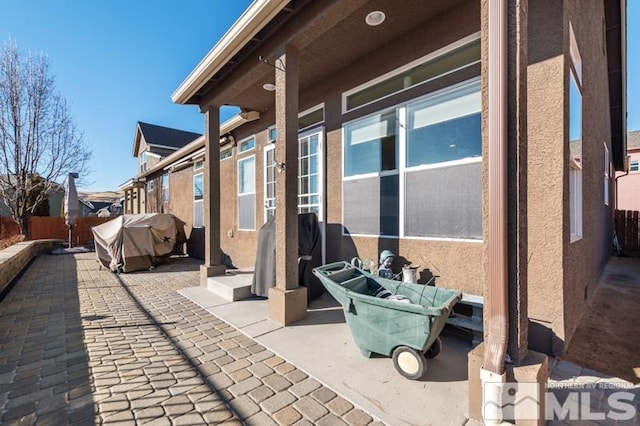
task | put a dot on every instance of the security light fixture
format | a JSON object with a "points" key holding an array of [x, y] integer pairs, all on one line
{"points": [[375, 18]]}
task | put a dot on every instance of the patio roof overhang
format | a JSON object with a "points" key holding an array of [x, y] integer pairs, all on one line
{"points": [[616, 29], [328, 35]]}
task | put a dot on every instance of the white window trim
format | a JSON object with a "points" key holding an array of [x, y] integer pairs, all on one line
{"points": [[312, 126], [402, 170], [439, 52], [607, 176], [198, 165], [241, 151], [162, 181], [574, 52], [224, 151], [269, 129], [636, 162], [575, 169], [270, 147], [246, 193]]}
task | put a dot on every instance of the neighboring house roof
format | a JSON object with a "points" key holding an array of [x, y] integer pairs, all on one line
{"points": [[161, 137], [633, 140]]}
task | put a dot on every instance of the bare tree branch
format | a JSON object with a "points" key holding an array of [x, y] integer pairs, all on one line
{"points": [[39, 142]]}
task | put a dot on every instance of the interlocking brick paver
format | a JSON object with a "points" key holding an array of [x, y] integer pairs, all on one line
{"points": [[277, 402], [357, 418], [81, 345], [339, 406], [276, 382], [310, 408], [287, 416]]}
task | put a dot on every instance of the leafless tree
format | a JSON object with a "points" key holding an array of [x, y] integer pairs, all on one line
{"points": [[39, 142]]}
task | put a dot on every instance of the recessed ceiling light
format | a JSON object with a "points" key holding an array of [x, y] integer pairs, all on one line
{"points": [[374, 18], [269, 87]]}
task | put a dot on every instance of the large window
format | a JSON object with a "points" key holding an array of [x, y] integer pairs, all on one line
{"points": [[247, 193], [447, 60], [415, 171], [198, 203], [575, 140]]}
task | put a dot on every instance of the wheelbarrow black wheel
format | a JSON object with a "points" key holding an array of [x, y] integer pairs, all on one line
{"points": [[434, 350], [409, 362]]}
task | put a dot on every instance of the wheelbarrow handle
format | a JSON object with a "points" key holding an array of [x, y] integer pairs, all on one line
{"points": [[332, 268]]}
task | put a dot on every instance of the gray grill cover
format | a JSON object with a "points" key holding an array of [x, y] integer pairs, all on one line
{"points": [[135, 242], [309, 250]]}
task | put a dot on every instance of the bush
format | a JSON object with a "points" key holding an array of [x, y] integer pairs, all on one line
{"points": [[7, 242]]}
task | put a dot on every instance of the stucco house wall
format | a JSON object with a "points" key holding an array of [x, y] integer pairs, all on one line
{"points": [[458, 264]]}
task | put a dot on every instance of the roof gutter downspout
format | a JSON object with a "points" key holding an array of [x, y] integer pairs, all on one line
{"points": [[492, 373]]}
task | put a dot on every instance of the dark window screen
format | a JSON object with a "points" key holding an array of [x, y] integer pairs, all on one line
{"points": [[371, 206], [444, 202]]}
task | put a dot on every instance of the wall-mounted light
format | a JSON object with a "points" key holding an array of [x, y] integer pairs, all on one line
{"points": [[269, 87], [375, 18], [279, 166]]}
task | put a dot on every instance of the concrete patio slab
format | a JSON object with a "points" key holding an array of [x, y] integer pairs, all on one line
{"points": [[321, 345]]}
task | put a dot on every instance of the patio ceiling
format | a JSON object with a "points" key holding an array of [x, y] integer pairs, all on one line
{"points": [[329, 35]]}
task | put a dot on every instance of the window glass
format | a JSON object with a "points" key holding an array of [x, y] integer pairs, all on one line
{"points": [[445, 128], [246, 193], [198, 165], [198, 201], [226, 154], [273, 134], [165, 188], [310, 119], [437, 67], [634, 166], [575, 121], [198, 187], [370, 145], [247, 144]]}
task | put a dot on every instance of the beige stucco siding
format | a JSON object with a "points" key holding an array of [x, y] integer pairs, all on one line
{"points": [[459, 264]]}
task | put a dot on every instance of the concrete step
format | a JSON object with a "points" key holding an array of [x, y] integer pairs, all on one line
{"points": [[232, 286]]}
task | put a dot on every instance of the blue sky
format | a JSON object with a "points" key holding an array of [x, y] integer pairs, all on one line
{"points": [[119, 61]]}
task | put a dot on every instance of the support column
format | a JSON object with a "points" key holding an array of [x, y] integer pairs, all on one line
{"points": [[211, 197], [287, 300], [527, 372]]}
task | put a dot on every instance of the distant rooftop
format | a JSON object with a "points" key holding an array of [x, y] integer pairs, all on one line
{"points": [[633, 139], [166, 136]]}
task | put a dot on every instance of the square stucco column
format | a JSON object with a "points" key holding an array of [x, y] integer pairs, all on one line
{"points": [[287, 300], [211, 197]]}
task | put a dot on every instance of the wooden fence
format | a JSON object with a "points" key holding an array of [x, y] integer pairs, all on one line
{"points": [[626, 222], [43, 227]]}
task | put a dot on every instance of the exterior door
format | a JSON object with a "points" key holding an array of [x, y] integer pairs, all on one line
{"points": [[310, 178]]}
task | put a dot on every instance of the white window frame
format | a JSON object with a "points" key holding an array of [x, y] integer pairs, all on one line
{"points": [[238, 194], [245, 140], [634, 164], [309, 111], [268, 148], [142, 161], [199, 202], [150, 185], [224, 152], [271, 139], [433, 55], [198, 165], [402, 168], [575, 168], [607, 175]]}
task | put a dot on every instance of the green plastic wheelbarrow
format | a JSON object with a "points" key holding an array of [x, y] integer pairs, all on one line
{"points": [[407, 332]]}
